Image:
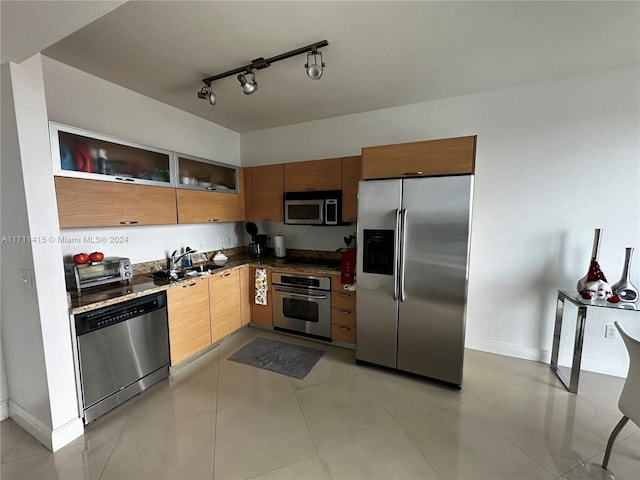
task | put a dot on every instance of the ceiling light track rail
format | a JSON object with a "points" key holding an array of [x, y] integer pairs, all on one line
{"points": [[260, 63], [314, 70]]}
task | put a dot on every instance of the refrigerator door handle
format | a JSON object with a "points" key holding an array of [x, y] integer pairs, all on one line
{"points": [[403, 253], [396, 256]]}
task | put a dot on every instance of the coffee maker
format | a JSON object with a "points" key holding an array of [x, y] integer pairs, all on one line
{"points": [[258, 248]]}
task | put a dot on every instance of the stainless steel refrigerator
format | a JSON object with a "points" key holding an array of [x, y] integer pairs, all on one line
{"points": [[412, 263]]}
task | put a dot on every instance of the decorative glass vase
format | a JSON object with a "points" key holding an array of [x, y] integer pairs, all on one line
{"points": [[623, 288], [593, 263]]}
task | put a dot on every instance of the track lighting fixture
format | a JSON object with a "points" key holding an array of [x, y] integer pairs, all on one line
{"points": [[207, 92], [314, 70], [248, 86], [247, 77]]}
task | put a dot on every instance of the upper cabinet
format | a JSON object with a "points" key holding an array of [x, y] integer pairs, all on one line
{"points": [[90, 203], [207, 191], [83, 154], [203, 207], [201, 174], [449, 156], [267, 192], [313, 175], [351, 167]]}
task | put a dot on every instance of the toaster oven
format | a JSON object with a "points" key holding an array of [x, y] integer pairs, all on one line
{"points": [[93, 274]]}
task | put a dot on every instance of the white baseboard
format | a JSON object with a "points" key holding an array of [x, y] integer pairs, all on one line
{"points": [[543, 355], [52, 439], [4, 409]]}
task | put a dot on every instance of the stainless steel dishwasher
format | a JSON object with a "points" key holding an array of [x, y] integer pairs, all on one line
{"points": [[122, 350]]}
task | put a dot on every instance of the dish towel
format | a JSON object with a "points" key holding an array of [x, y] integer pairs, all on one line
{"points": [[261, 286]]}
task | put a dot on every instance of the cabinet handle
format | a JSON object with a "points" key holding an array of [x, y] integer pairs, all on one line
{"points": [[190, 285], [225, 274], [128, 222], [214, 220], [342, 294], [346, 312], [344, 329], [125, 179], [311, 189], [412, 173], [266, 220]]}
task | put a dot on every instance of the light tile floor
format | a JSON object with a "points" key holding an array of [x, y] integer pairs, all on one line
{"points": [[216, 419]]}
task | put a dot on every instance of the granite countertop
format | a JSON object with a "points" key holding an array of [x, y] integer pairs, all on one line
{"points": [[144, 284]]}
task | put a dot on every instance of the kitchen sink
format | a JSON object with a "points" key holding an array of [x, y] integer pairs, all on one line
{"points": [[185, 272], [203, 268]]}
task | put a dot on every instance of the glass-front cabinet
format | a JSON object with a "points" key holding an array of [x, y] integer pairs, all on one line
{"points": [[83, 154], [200, 174]]}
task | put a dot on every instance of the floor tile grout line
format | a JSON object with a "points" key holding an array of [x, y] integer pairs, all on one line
{"points": [[513, 442], [118, 438], [306, 422], [215, 422]]}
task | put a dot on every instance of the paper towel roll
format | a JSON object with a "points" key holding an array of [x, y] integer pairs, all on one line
{"points": [[278, 246]]}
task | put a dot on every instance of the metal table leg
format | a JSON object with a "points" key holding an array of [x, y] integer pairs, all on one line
{"points": [[571, 383], [577, 349]]}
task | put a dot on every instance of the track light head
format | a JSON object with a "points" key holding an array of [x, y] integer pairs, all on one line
{"points": [[315, 69], [248, 86], [206, 92]]}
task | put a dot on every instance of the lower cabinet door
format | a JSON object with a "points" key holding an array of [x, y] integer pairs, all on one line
{"points": [[224, 300], [261, 314], [189, 326]]}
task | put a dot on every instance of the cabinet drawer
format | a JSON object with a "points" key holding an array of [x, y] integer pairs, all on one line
{"points": [[344, 299], [342, 316], [343, 333]]}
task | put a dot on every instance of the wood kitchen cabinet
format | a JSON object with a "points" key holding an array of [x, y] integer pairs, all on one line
{"points": [[261, 314], [449, 156], [246, 295], [267, 192], [246, 190], [343, 313], [203, 206], [351, 168], [189, 324], [313, 175], [225, 304], [94, 203]]}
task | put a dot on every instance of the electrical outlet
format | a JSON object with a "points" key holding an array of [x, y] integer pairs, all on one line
{"points": [[610, 331]]}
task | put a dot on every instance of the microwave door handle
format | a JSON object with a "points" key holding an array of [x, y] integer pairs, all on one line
{"points": [[396, 259], [323, 211]]}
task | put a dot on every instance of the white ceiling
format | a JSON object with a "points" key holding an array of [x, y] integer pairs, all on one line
{"points": [[380, 54]]}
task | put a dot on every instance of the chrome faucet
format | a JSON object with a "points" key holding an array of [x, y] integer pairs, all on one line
{"points": [[175, 260]]}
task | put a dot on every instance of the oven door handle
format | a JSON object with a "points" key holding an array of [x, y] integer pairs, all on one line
{"points": [[304, 295]]}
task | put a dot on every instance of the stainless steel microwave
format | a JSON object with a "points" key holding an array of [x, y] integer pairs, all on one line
{"points": [[313, 208]]}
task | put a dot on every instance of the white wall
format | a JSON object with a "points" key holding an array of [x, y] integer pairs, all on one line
{"points": [[36, 340], [81, 100], [555, 160]]}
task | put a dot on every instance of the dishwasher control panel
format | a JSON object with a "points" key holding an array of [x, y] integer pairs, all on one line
{"points": [[113, 314]]}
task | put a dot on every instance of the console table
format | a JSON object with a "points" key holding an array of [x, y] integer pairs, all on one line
{"points": [[583, 305]]}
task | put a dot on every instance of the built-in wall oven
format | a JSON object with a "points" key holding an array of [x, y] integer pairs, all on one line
{"points": [[302, 304], [121, 350]]}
